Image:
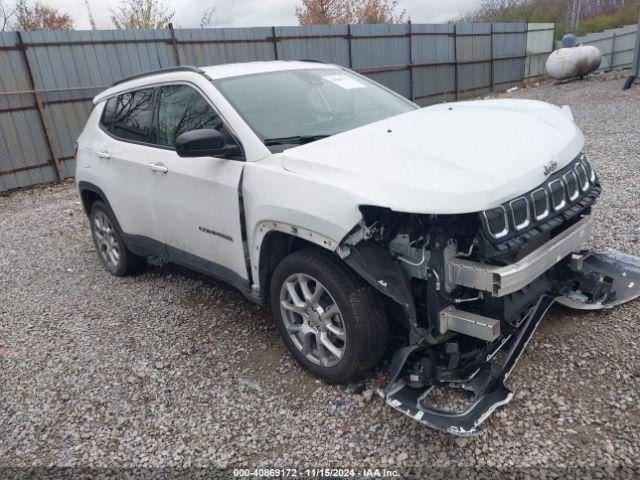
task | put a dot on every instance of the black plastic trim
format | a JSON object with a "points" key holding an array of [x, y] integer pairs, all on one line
{"points": [[147, 247], [378, 268], [90, 187]]}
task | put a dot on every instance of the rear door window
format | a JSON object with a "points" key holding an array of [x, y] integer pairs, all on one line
{"points": [[133, 114], [182, 109]]}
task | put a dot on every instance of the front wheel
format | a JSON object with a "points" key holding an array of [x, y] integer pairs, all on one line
{"points": [[332, 322]]}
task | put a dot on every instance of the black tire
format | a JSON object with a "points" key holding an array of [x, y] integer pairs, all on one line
{"points": [[362, 314], [128, 263]]}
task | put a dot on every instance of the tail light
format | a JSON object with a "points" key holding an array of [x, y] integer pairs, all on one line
{"points": [[75, 151]]}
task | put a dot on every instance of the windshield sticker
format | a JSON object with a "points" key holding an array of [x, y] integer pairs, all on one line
{"points": [[343, 81]]}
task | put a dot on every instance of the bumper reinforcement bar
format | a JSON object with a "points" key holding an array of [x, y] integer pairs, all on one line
{"points": [[502, 281]]}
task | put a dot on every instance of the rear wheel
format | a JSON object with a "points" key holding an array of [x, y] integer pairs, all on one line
{"points": [[107, 237], [332, 322]]}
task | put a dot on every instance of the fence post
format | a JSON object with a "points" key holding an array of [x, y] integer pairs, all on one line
{"points": [[411, 93], [39, 108], [275, 42], [613, 51], [455, 60], [349, 40], [174, 44], [636, 58], [635, 70], [526, 56], [492, 88]]}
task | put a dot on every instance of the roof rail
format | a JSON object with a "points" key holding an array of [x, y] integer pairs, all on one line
{"points": [[310, 60], [184, 68]]}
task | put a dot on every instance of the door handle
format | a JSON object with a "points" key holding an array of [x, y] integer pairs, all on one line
{"points": [[105, 155], [158, 167]]}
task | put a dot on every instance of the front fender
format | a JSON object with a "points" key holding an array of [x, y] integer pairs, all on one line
{"points": [[277, 200], [264, 228]]}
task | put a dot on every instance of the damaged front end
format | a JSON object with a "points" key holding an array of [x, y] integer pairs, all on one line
{"points": [[470, 290]]}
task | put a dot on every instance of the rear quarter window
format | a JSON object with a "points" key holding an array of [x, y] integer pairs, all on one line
{"points": [[130, 115], [106, 120]]}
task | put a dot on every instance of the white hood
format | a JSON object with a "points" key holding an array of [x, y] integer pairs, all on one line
{"points": [[449, 158]]}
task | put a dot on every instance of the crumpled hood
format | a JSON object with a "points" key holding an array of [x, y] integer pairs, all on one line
{"points": [[448, 158]]}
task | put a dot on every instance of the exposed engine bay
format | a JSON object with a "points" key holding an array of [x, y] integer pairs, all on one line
{"points": [[467, 288]]}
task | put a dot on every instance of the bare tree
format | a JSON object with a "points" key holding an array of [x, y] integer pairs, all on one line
{"points": [[207, 17], [379, 11], [591, 8], [92, 20], [6, 15], [313, 12], [40, 17], [141, 14], [491, 11], [581, 17]]}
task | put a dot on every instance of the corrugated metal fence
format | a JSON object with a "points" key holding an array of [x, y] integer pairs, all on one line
{"points": [[635, 69], [616, 46], [47, 79]]}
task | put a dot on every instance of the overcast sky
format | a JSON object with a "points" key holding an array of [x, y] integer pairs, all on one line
{"points": [[249, 13]]}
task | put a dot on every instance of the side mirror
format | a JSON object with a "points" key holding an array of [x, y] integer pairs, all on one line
{"points": [[205, 142]]}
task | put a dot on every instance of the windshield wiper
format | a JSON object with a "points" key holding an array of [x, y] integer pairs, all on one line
{"points": [[295, 140]]}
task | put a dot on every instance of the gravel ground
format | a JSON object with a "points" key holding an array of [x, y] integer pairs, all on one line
{"points": [[172, 369]]}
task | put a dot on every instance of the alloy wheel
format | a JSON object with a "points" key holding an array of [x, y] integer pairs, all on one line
{"points": [[313, 320], [106, 240]]}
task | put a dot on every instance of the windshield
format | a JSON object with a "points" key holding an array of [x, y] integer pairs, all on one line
{"points": [[298, 106]]}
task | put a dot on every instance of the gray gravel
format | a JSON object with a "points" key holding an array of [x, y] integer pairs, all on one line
{"points": [[173, 369]]}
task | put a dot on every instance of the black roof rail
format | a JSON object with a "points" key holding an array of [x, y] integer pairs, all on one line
{"points": [[310, 60], [184, 68]]}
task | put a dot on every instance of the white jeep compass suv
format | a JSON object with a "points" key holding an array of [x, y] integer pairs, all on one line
{"points": [[352, 212]]}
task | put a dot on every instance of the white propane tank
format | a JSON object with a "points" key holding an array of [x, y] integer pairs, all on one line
{"points": [[573, 62]]}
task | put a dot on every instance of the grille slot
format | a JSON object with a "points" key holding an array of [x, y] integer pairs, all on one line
{"points": [[496, 219], [557, 195], [540, 204], [520, 213], [590, 171], [572, 185], [583, 178]]}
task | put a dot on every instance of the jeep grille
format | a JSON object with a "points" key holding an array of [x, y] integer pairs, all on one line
{"points": [[563, 194]]}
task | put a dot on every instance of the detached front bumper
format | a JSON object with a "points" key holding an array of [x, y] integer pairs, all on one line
{"points": [[487, 384], [580, 279]]}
